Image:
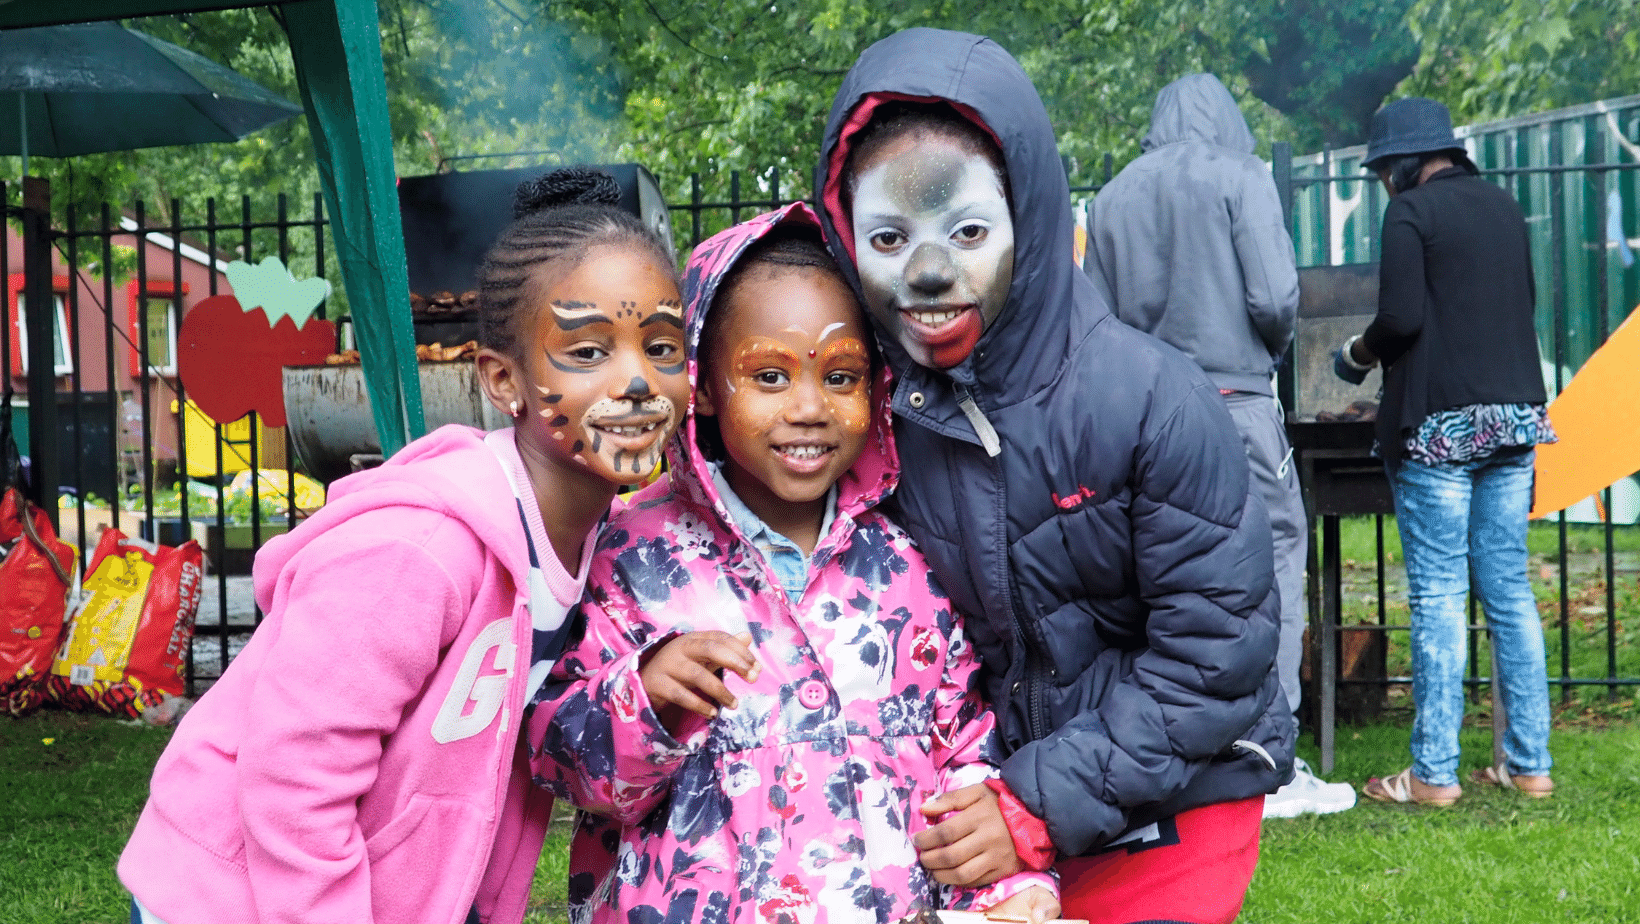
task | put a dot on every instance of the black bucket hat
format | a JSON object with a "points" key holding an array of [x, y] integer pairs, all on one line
{"points": [[1414, 125]]}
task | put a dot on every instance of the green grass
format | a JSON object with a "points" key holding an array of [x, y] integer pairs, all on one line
{"points": [[72, 787], [1493, 858]]}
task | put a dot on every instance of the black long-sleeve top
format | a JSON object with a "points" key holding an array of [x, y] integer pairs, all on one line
{"points": [[1455, 302]]}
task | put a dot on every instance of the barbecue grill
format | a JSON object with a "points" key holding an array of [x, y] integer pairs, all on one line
{"points": [[1330, 425], [450, 220]]}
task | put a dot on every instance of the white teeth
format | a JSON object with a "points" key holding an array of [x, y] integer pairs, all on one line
{"points": [[934, 318], [803, 452], [629, 431]]}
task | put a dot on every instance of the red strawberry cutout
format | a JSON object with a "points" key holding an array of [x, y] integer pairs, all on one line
{"points": [[230, 356]]}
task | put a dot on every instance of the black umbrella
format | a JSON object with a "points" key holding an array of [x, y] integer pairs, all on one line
{"points": [[92, 87]]}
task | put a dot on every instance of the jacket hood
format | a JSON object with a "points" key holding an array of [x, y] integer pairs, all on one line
{"points": [[1197, 107], [873, 476], [450, 471], [1050, 302]]}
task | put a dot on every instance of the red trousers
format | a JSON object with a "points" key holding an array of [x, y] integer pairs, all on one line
{"points": [[1193, 868]]}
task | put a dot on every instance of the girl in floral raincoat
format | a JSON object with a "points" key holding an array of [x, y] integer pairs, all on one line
{"points": [[769, 683]]}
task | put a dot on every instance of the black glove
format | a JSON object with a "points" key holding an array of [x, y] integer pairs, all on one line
{"points": [[1347, 370]]}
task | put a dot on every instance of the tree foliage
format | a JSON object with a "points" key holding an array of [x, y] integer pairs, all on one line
{"points": [[1489, 59], [708, 86], [1327, 66]]}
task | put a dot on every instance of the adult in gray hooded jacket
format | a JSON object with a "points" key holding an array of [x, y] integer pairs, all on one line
{"points": [[1076, 485], [1188, 243]]}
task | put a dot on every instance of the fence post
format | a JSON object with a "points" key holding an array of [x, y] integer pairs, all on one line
{"points": [[44, 465], [1281, 170]]}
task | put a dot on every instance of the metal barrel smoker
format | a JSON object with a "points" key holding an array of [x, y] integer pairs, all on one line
{"points": [[450, 220], [1330, 426]]}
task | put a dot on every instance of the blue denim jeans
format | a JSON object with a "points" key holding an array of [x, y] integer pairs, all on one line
{"points": [[1456, 518]]}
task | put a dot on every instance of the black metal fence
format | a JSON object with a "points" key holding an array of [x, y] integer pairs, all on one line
{"points": [[133, 455], [111, 424]]}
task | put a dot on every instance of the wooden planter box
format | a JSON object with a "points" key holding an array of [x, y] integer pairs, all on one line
{"points": [[228, 549]]}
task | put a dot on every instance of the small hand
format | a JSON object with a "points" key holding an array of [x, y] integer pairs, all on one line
{"points": [[972, 847], [687, 673], [1035, 904]]}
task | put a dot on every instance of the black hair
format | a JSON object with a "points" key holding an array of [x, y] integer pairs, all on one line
{"points": [[898, 118], [787, 246], [1405, 169], [556, 216]]}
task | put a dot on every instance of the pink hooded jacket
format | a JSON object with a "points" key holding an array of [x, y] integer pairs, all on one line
{"points": [[798, 806], [356, 761]]}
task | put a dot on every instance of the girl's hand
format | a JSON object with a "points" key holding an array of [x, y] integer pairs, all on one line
{"points": [[1035, 904], [971, 848], [687, 674]]}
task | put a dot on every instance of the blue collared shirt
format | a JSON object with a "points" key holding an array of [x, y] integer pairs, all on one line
{"points": [[790, 565]]}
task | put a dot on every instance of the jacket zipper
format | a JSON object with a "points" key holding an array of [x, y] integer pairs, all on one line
{"points": [[1036, 711], [1035, 698], [976, 418]]}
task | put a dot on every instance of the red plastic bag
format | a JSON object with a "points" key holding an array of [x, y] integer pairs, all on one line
{"points": [[127, 644], [35, 576]]}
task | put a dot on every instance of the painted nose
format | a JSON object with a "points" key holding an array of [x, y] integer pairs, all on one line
{"points": [[631, 376], [930, 270], [638, 389], [806, 403]]}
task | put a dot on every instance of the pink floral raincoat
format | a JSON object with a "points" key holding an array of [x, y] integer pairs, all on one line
{"points": [[798, 806]]}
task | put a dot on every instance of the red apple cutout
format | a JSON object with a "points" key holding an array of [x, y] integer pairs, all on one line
{"points": [[230, 356]]}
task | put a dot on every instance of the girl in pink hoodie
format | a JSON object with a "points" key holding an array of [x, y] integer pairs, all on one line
{"points": [[360, 761], [769, 683]]}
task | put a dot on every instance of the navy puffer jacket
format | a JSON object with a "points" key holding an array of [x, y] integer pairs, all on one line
{"points": [[1114, 566]]}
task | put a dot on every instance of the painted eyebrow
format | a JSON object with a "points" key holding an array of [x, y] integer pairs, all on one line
{"points": [[663, 317], [765, 354], [573, 315]]}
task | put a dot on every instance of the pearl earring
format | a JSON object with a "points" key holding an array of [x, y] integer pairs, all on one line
{"points": [[513, 407]]}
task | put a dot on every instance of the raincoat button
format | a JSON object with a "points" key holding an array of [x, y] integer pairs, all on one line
{"points": [[1018, 685], [812, 694], [917, 399]]}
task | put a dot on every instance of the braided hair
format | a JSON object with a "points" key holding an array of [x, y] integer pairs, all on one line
{"points": [[557, 216]]}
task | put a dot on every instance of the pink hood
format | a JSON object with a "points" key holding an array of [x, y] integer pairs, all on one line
{"points": [[873, 476]]}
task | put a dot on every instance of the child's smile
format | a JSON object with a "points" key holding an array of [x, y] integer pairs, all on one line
{"points": [[934, 245]]}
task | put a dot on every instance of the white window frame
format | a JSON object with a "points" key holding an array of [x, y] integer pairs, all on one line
{"points": [[172, 324], [59, 328]]}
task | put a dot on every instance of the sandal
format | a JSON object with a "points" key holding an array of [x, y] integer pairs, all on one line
{"points": [[1403, 787], [1535, 787]]}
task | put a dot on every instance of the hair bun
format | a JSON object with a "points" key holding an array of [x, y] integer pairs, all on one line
{"points": [[566, 186]]}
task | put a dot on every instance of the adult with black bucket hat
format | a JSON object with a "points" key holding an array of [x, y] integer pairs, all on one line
{"points": [[1462, 409]]}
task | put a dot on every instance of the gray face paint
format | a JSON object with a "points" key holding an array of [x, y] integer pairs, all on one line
{"points": [[934, 243]]}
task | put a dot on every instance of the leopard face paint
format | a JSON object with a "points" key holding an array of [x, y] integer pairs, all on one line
{"points": [[607, 366]]}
